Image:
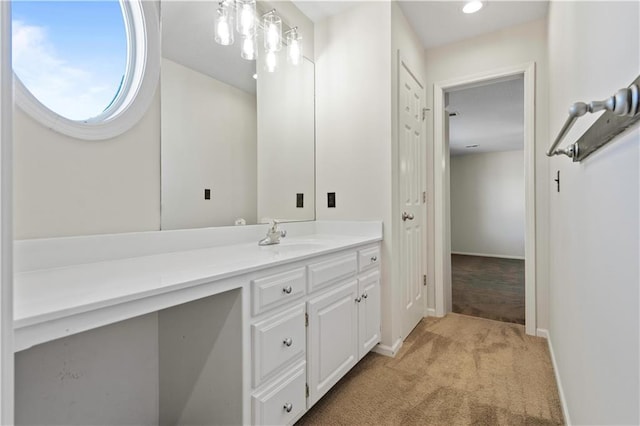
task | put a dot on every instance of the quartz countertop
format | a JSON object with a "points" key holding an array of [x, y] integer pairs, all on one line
{"points": [[42, 296]]}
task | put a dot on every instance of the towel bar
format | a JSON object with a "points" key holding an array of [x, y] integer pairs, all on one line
{"points": [[622, 110]]}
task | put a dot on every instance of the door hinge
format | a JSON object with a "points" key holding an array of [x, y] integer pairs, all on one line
{"points": [[424, 280], [306, 319], [306, 393], [424, 196], [424, 113]]}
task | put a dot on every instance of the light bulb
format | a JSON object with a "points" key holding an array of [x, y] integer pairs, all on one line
{"points": [[223, 25], [472, 6], [246, 17], [294, 47], [248, 50], [272, 32], [270, 61]]}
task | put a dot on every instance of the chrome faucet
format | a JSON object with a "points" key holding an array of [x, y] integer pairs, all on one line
{"points": [[273, 235]]}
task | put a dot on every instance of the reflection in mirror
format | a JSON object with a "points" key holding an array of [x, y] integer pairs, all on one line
{"points": [[234, 150]]}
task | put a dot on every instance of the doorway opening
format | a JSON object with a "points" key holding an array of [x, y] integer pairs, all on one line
{"points": [[443, 247], [487, 195]]}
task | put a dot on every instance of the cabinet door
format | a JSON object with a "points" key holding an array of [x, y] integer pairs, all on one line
{"points": [[332, 338], [368, 313]]}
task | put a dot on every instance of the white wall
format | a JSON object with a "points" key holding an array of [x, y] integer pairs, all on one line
{"points": [[487, 204], [511, 46], [353, 125], [594, 280], [208, 141], [65, 186]]}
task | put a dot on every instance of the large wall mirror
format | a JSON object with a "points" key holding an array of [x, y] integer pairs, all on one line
{"points": [[238, 142]]}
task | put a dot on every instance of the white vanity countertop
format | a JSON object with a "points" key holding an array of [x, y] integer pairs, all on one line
{"points": [[43, 296]]}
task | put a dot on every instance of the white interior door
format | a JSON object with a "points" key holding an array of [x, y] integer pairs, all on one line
{"points": [[411, 158]]}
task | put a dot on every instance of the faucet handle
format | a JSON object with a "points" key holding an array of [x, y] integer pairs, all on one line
{"points": [[274, 225], [283, 233]]}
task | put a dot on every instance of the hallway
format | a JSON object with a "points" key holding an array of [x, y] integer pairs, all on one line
{"points": [[451, 370]]}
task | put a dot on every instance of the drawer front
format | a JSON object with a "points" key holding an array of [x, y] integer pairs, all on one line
{"points": [[330, 271], [277, 341], [283, 402], [276, 290], [368, 258]]}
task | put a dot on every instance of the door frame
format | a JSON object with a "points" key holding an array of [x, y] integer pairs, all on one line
{"points": [[442, 208], [6, 221]]}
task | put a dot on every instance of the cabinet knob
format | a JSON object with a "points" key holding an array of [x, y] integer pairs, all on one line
{"points": [[288, 407], [287, 289], [374, 258], [365, 295], [358, 299], [288, 341]]}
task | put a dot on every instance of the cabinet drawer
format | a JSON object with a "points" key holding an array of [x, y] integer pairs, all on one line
{"points": [[275, 290], [330, 271], [283, 402], [276, 342], [368, 258]]}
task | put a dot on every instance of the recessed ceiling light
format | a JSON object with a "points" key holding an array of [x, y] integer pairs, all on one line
{"points": [[472, 6], [472, 146]]}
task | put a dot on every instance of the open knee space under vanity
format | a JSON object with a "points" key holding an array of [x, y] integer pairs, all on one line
{"points": [[196, 336]]}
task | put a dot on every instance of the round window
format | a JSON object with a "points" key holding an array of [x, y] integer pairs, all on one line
{"points": [[87, 69]]}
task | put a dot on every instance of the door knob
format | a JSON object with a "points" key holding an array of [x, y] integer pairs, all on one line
{"points": [[288, 407], [406, 216], [288, 341]]}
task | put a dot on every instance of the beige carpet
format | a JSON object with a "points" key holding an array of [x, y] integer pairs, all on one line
{"points": [[456, 370]]}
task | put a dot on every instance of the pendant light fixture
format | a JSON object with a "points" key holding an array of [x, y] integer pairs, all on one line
{"points": [[247, 24], [272, 25], [246, 17], [294, 46], [223, 25], [249, 48]]}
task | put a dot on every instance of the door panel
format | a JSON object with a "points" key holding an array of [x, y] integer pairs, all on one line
{"points": [[411, 158]]}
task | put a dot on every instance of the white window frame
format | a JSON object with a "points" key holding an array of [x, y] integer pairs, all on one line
{"points": [[142, 26]]}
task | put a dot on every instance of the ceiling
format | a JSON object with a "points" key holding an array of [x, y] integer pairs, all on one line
{"points": [[188, 39], [491, 116], [442, 22]]}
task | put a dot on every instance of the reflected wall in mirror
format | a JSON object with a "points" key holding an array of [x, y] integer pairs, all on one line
{"points": [[230, 127]]}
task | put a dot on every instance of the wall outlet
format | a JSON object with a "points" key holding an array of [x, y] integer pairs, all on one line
{"points": [[207, 194], [299, 200], [331, 200]]}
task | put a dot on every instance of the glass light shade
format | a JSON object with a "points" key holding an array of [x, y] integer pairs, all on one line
{"points": [[272, 32], [223, 25], [270, 61], [472, 6], [249, 48], [294, 47], [246, 17]]}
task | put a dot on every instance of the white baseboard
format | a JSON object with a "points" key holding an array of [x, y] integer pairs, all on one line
{"points": [[386, 350], [500, 256], [431, 312], [541, 332]]}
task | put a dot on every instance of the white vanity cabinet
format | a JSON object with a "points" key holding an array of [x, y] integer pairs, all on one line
{"points": [[165, 328], [316, 320]]}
